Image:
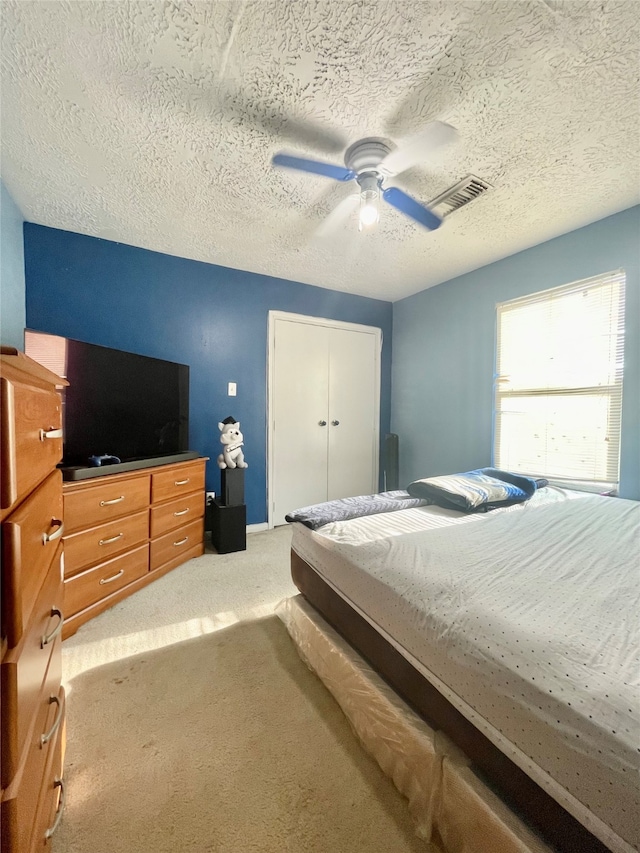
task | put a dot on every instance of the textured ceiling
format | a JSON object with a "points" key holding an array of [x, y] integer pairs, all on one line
{"points": [[154, 123]]}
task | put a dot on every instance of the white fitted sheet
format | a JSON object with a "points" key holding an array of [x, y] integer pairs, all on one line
{"points": [[527, 619]]}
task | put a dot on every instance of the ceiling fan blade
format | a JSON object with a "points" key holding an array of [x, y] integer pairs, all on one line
{"points": [[338, 216], [414, 149], [405, 204], [264, 114], [328, 170], [305, 132], [435, 93]]}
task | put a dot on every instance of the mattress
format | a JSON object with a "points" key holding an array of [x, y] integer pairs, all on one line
{"points": [[526, 619]]}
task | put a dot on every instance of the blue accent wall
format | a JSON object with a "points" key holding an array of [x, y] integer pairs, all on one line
{"points": [[12, 283], [444, 349], [212, 318]]}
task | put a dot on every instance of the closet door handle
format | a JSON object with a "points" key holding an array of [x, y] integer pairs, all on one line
{"points": [[335, 423], [322, 423]]}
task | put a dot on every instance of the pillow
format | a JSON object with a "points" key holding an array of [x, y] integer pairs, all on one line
{"points": [[473, 491]]}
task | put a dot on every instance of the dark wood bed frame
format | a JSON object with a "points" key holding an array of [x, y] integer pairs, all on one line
{"points": [[556, 826]]}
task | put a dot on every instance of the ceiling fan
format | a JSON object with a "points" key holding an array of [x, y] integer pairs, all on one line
{"points": [[370, 162]]}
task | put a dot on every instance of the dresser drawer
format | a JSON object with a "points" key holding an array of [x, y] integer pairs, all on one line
{"points": [[88, 506], [90, 586], [22, 675], [173, 544], [168, 516], [30, 437], [177, 481], [29, 806], [97, 544], [29, 545], [26, 790], [51, 803]]}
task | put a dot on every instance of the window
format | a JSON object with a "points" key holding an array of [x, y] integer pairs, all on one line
{"points": [[558, 397]]}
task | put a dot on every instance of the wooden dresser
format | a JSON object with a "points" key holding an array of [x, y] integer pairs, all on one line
{"points": [[123, 531], [32, 706]]}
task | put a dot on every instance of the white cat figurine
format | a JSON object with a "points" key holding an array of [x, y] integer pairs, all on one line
{"points": [[232, 439]]}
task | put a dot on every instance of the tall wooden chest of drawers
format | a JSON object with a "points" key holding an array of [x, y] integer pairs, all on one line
{"points": [[123, 531], [32, 705]]}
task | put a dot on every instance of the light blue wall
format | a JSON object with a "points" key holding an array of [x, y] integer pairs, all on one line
{"points": [[212, 318], [12, 283], [444, 343]]}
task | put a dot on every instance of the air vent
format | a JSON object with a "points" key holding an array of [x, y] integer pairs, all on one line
{"points": [[458, 195]]}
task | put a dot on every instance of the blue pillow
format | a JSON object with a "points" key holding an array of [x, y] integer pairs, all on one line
{"points": [[473, 491]]}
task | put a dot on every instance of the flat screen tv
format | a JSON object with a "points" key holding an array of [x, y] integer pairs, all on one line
{"points": [[120, 404]]}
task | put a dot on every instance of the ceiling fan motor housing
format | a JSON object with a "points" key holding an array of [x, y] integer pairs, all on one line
{"points": [[365, 156]]}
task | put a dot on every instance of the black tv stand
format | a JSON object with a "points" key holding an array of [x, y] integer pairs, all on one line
{"points": [[85, 472]]}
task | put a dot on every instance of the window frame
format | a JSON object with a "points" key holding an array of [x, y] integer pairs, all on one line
{"points": [[612, 390]]}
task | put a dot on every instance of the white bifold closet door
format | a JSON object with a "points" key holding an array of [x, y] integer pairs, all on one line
{"points": [[324, 412]]}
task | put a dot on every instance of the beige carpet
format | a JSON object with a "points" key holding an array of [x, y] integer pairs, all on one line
{"points": [[224, 742], [201, 596]]}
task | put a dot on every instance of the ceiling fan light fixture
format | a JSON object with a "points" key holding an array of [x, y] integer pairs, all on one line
{"points": [[369, 209], [369, 201]]}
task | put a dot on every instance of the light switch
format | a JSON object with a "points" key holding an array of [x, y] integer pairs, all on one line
{"points": [[231, 389]]}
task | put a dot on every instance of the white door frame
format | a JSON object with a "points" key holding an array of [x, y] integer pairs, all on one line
{"points": [[316, 321]]}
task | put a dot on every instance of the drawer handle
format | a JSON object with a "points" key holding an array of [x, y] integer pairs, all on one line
{"points": [[182, 482], [113, 539], [57, 533], [112, 578], [50, 433], [182, 512], [44, 739], [181, 541], [114, 501], [57, 783], [47, 638]]}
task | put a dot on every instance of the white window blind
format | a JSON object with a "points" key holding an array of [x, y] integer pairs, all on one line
{"points": [[558, 397]]}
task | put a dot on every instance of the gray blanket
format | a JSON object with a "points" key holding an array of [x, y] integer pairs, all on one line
{"points": [[344, 508]]}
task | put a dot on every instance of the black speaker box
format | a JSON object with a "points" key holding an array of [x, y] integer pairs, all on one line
{"points": [[228, 527], [232, 486], [391, 462]]}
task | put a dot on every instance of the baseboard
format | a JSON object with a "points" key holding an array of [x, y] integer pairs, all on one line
{"points": [[257, 528]]}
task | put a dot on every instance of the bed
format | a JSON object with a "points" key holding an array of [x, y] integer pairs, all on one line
{"points": [[513, 631]]}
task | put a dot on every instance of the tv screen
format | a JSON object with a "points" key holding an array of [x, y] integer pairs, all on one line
{"points": [[117, 403]]}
